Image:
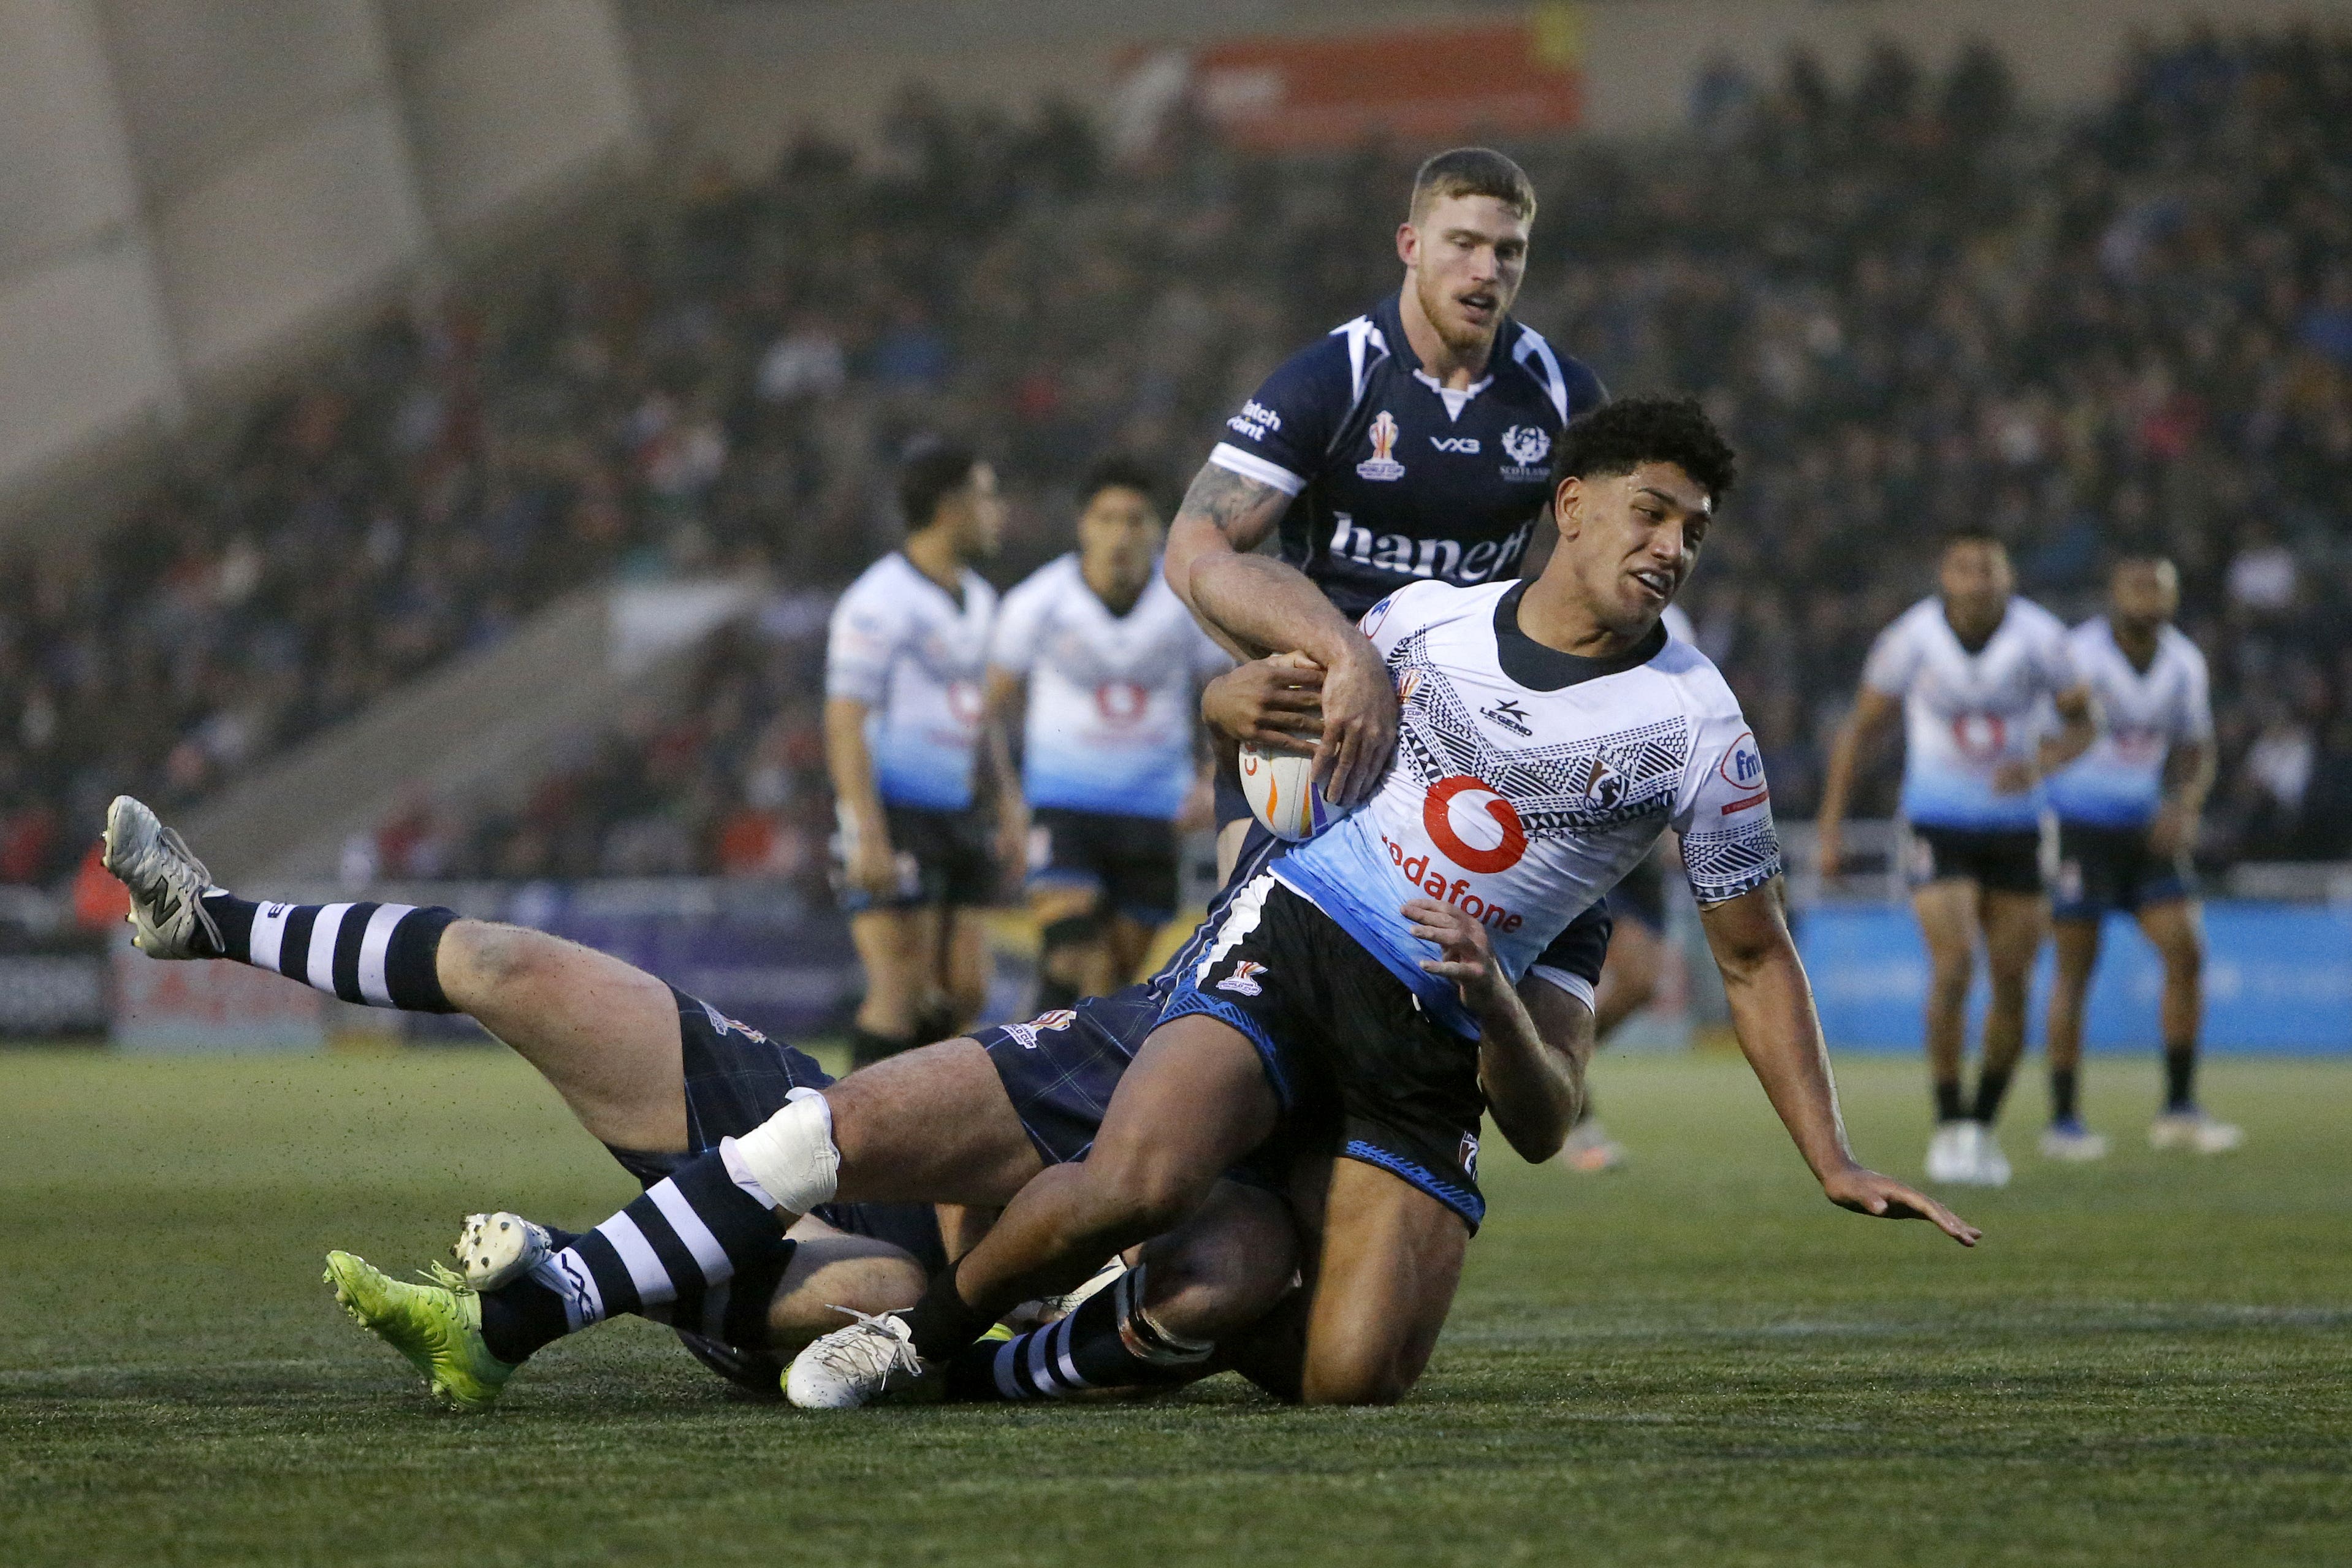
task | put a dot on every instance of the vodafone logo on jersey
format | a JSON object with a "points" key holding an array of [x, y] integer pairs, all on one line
{"points": [[1981, 737], [1472, 826], [1120, 701]]}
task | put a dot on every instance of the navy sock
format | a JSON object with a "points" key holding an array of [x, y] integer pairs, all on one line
{"points": [[2062, 1094], [1948, 1100], [866, 1048], [384, 955], [1992, 1087], [2179, 1078], [1109, 1341]]}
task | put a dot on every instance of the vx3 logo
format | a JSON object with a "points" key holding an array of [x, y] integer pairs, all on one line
{"points": [[1468, 444]]}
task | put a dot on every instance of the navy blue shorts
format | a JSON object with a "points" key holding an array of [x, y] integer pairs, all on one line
{"points": [[1060, 1070], [2103, 868], [736, 1078], [1128, 863], [1345, 1043]]}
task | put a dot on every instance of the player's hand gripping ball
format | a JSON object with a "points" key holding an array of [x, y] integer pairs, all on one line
{"points": [[1280, 787]]}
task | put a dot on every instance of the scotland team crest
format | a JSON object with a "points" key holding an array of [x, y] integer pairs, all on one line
{"points": [[1381, 465], [1527, 446]]}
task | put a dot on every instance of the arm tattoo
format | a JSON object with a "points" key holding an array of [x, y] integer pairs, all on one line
{"points": [[1227, 499]]}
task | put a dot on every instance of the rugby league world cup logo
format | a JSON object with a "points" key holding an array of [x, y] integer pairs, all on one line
{"points": [[1381, 465]]}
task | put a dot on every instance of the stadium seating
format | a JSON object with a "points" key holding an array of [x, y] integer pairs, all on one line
{"points": [[2133, 330]]}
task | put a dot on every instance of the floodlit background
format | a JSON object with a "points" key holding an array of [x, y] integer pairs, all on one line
{"points": [[430, 434]]}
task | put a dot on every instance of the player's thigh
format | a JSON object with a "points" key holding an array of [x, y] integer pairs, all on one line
{"points": [[963, 950], [1193, 1102], [2177, 930], [604, 1033], [1127, 942], [1225, 1266], [931, 1125], [1635, 951], [2014, 925], [1391, 1257], [1947, 911], [830, 1270]]}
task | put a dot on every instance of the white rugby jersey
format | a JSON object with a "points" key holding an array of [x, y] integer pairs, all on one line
{"points": [[2120, 780], [1965, 714], [1111, 709], [901, 644], [1523, 803]]}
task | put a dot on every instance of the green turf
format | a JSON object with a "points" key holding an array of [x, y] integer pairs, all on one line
{"points": [[1696, 1361]]}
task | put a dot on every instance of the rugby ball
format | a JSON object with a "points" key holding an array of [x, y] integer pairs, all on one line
{"points": [[1280, 788]]}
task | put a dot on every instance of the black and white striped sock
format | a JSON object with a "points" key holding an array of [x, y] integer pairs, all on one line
{"points": [[1108, 1342], [384, 955], [698, 1250]]}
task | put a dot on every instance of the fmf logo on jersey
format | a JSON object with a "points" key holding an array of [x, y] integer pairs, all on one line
{"points": [[1604, 786], [1743, 768], [1379, 465], [1059, 1018], [1467, 444], [1242, 981], [1473, 825], [1527, 446]]}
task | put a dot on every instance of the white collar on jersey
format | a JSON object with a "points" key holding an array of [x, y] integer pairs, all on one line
{"points": [[1457, 398]]}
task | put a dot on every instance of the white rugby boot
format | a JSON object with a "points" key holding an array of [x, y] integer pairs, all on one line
{"points": [[2072, 1142], [167, 884], [857, 1365], [1992, 1165], [2196, 1130], [1952, 1153], [495, 1249], [1589, 1148]]}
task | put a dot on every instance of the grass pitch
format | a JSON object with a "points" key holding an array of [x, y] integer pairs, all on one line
{"points": [[1693, 1362]]}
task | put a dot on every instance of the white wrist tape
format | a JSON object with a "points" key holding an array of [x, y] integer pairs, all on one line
{"points": [[790, 1158]]}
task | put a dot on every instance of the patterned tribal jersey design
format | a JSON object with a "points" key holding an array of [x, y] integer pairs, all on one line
{"points": [[1554, 790], [1737, 860]]}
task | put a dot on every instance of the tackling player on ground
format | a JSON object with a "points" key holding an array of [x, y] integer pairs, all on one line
{"points": [[1364, 987], [1990, 704], [2127, 813]]}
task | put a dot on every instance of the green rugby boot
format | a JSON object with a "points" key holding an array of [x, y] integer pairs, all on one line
{"points": [[438, 1327]]}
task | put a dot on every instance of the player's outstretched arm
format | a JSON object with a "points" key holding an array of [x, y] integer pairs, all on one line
{"points": [[1772, 1016], [1533, 1077], [1254, 606], [1872, 712]]}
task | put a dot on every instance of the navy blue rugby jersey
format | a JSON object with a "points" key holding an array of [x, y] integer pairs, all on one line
{"points": [[1393, 479]]}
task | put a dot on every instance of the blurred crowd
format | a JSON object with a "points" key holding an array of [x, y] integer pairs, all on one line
{"points": [[1912, 303]]}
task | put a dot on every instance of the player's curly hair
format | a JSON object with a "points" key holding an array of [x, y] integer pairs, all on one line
{"points": [[1620, 437]]}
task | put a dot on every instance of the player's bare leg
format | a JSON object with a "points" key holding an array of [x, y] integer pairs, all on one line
{"points": [[1947, 912], [604, 1033], [2014, 925], [1390, 1258], [2077, 943], [2178, 935], [1073, 959], [961, 979], [932, 1125], [1127, 943], [1628, 980]]}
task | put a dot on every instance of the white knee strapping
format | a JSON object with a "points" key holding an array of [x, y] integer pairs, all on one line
{"points": [[791, 1155]]}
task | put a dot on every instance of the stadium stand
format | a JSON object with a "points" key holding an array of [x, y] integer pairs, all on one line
{"points": [[2133, 330]]}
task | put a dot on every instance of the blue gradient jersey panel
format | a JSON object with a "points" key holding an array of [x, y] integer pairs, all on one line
{"points": [[1393, 479], [1112, 698], [1965, 714], [1528, 780], [914, 654], [2144, 714]]}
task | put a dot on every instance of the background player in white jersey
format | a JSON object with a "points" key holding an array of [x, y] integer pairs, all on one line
{"points": [[902, 739], [1550, 733], [1111, 665], [1990, 704], [2127, 813]]}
